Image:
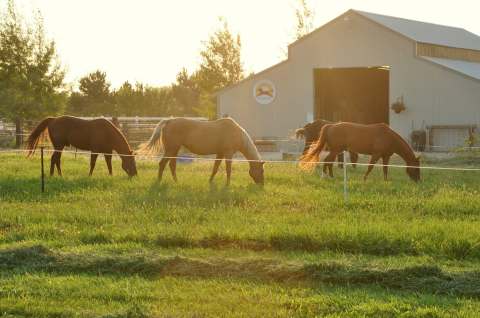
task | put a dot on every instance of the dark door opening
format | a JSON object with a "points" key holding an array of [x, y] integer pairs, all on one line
{"points": [[359, 94]]}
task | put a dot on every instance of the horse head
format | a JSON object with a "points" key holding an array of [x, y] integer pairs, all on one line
{"points": [[256, 171], [413, 169], [129, 165], [300, 133]]}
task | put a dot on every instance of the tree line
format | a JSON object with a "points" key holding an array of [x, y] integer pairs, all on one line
{"points": [[32, 79], [192, 94]]}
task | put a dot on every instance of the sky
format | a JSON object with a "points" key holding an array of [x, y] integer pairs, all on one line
{"points": [[150, 41]]}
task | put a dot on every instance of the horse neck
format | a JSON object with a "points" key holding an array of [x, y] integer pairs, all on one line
{"points": [[120, 144], [248, 148], [404, 150]]}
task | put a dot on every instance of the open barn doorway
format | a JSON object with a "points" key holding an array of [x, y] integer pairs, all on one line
{"points": [[359, 94]]}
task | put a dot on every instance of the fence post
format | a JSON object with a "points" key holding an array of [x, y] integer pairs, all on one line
{"points": [[18, 133], [345, 190], [43, 171]]}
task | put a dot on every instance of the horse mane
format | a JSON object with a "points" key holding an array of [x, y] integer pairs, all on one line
{"points": [[248, 143], [402, 141]]}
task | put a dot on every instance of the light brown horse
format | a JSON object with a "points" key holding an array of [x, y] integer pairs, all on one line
{"points": [[222, 137], [97, 135], [377, 140]]}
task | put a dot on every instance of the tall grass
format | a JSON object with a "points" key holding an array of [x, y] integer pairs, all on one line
{"points": [[95, 230]]}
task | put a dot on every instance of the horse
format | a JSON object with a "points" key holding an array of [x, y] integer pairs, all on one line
{"points": [[96, 135], [311, 131], [377, 140], [222, 137]]}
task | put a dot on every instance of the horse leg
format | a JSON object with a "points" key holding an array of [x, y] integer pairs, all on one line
{"points": [[216, 165], [59, 169], [53, 160], [373, 160], [354, 159], [173, 168], [93, 160], [330, 158], [324, 170], [172, 153], [161, 167], [340, 160], [57, 160], [228, 167], [385, 160], [108, 160]]}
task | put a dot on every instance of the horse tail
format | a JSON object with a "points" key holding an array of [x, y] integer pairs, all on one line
{"points": [[154, 145], [308, 160], [36, 134]]}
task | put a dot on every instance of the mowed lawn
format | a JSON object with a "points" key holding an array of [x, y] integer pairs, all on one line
{"points": [[112, 247]]}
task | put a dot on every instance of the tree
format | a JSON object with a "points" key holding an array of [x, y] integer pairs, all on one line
{"points": [[95, 88], [186, 92], [143, 100], [125, 99], [221, 66], [305, 17], [31, 77]]}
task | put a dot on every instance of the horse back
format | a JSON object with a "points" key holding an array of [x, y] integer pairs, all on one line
{"points": [[365, 139], [96, 134], [203, 137]]}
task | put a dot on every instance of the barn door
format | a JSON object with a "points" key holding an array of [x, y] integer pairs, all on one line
{"points": [[352, 94]]}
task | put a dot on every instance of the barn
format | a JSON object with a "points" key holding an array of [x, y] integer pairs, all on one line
{"points": [[367, 68]]}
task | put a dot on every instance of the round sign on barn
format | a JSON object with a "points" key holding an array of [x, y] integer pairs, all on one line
{"points": [[264, 92]]}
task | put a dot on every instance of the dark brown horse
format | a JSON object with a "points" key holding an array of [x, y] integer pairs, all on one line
{"points": [[311, 131], [377, 140], [97, 136], [222, 137]]}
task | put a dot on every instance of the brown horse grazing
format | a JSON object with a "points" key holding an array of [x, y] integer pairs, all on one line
{"points": [[97, 136], [377, 140], [311, 131], [222, 137]]}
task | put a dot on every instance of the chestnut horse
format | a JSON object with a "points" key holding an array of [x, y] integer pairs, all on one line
{"points": [[377, 140], [311, 131], [96, 135], [222, 137]]}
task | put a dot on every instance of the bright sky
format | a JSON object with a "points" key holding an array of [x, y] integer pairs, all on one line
{"points": [[151, 40]]}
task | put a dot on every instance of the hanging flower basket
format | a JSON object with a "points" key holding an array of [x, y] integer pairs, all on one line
{"points": [[399, 106]]}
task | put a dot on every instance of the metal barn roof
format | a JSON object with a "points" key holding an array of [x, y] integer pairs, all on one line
{"points": [[427, 32], [470, 69]]}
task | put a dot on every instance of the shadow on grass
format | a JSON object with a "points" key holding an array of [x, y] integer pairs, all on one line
{"points": [[424, 279], [29, 189], [364, 243], [167, 194]]}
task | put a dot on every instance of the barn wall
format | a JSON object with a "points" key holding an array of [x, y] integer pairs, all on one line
{"points": [[432, 94], [260, 121]]}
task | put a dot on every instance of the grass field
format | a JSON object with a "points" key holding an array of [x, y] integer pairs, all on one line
{"points": [[113, 247]]}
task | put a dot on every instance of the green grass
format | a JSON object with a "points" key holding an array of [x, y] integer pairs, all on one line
{"points": [[112, 247]]}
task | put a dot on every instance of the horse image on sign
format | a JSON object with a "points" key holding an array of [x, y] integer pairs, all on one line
{"points": [[264, 92]]}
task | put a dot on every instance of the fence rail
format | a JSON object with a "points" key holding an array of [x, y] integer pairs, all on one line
{"points": [[157, 157]]}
